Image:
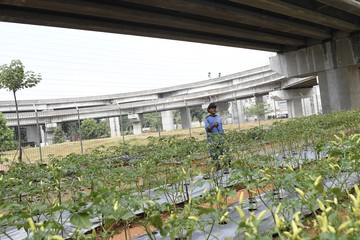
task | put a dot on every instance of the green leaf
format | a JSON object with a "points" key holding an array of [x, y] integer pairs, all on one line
{"points": [[156, 221], [337, 192], [127, 215], [203, 210], [164, 231], [320, 188], [81, 220]]}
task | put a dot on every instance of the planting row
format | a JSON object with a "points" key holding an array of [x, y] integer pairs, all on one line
{"points": [[112, 185]]}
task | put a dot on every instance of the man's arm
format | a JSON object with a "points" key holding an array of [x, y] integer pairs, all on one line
{"points": [[211, 127]]}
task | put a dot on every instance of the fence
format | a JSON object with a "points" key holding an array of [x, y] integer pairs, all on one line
{"points": [[42, 139], [77, 133]]}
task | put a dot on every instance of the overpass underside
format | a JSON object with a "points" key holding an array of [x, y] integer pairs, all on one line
{"points": [[271, 25]]}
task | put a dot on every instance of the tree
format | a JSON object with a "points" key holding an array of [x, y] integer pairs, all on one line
{"points": [[91, 129], [126, 125], [71, 130], [257, 110], [198, 113], [177, 117], [14, 78], [59, 135], [152, 120], [6, 135]]}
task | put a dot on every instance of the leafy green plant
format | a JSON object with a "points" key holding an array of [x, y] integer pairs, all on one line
{"points": [[14, 78]]}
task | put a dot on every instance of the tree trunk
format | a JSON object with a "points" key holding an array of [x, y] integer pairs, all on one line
{"points": [[18, 125]]}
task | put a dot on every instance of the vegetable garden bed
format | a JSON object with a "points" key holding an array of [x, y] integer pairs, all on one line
{"points": [[86, 196]]}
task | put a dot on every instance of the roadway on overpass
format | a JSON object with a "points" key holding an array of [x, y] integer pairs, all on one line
{"points": [[247, 84]]}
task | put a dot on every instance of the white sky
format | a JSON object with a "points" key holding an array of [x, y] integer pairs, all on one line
{"points": [[76, 63]]}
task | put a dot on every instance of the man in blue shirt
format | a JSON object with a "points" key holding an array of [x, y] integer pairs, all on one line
{"points": [[214, 133], [213, 122]]}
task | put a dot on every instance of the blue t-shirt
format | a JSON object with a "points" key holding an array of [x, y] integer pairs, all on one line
{"points": [[210, 120]]}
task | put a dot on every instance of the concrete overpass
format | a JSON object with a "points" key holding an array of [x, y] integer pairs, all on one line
{"points": [[247, 84], [271, 25], [254, 82]]}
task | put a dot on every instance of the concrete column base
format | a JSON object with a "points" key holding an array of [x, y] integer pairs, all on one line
{"points": [[339, 89], [137, 121], [237, 112], [49, 132], [167, 120], [185, 118], [114, 124], [295, 108]]}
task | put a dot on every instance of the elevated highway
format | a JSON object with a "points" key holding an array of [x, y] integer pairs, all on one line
{"points": [[254, 82]]}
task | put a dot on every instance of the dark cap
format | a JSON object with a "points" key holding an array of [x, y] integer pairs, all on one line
{"points": [[211, 105]]}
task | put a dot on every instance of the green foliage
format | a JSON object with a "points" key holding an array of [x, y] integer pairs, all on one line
{"points": [[14, 78], [198, 113], [71, 129], [59, 135], [152, 120], [258, 110], [115, 192], [177, 117], [6, 135], [126, 125], [92, 129]]}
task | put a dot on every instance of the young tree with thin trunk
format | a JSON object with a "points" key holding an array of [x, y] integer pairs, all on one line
{"points": [[14, 78], [258, 110]]}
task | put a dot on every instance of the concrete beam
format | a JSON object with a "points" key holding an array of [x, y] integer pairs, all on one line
{"points": [[340, 52], [305, 14], [237, 15], [352, 6], [291, 94]]}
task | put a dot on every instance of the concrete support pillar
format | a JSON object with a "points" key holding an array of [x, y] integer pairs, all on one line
{"points": [[42, 135], [317, 101], [295, 108], [307, 106], [237, 112], [339, 89], [49, 132], [167, 120], [185, 118], [137, 121], [32, 135], [114, 124]]}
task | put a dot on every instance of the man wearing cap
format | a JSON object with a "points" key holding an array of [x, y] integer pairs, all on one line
{"points": [[213, 122], [214, 132]]}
